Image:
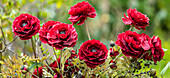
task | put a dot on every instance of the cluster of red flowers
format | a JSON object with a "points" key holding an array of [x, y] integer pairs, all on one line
{"points": [[93, 52], [138, 45]]}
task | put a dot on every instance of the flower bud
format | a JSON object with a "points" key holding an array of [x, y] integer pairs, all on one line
{"points": [[112, 44]]}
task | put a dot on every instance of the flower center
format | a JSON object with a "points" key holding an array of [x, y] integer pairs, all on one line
{"points": [[62, 32], [24, 24], [93, 50]]}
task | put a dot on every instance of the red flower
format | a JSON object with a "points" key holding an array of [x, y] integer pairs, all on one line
{"points": [[130, 43], [80, 12], [152, 48], [93, 52], [58, 35], [156, 52], [113, 53], [26, 26], [146, 46], [145, 42], [135, 18], [39, 74]]}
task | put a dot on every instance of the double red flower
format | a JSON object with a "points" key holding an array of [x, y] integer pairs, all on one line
{"points": [[80, 11], [58, 35], [135, 18], [130, 43], [25, 26], [152, 47], [93, 52]]}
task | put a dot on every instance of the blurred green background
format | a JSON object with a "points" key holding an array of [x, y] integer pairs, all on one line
{"points": [[105, 27]]}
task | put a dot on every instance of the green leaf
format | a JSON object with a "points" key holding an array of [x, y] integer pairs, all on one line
{"points": [[65, 55], [165, 69], [34, 64]]}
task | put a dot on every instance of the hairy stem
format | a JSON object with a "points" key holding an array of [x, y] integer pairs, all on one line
{"points": [[87, 31]]}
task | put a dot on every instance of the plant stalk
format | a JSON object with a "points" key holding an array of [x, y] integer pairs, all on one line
{"points": [[32, 42], [0, 56], [87, 31]]}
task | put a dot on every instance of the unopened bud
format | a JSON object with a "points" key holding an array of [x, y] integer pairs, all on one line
{"points": [[112, 44]]}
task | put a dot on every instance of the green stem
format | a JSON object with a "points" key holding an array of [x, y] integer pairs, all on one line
{"points": [[1, 44], [32, 42], [60, 62], [142, 56], [87, 31], [0, 56], [117, 56], [130, 28]]}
